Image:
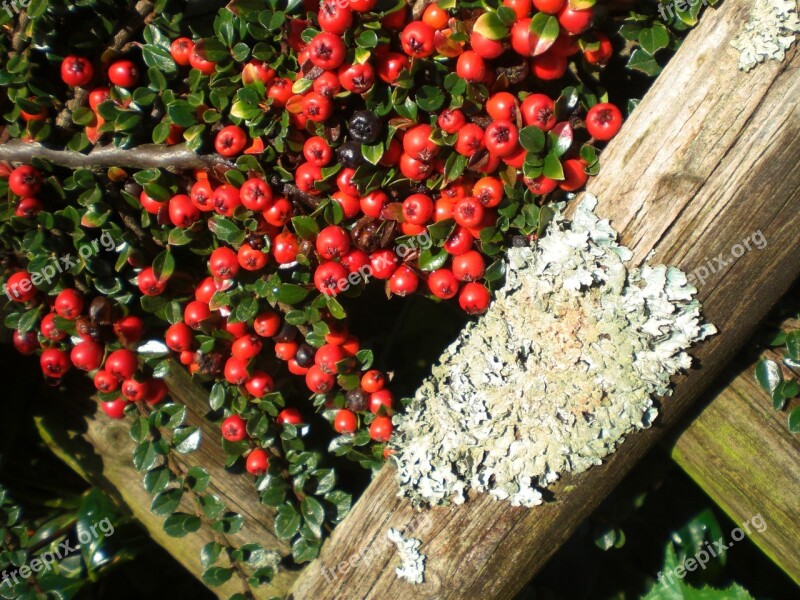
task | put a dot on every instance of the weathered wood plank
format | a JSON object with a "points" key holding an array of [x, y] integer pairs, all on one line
{"points": [[99, 449], [707, 160], [739, 450]]}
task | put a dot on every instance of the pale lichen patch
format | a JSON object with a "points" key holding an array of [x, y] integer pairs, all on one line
{"points": [[565, 363], [768, 34], [412, 562]]}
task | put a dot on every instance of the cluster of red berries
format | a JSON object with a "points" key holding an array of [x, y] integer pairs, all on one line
{"points": [[485, 134]]}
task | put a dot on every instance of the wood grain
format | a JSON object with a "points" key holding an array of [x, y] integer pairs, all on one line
{"points": [[739, 450], [99, 449], [708, 159]]}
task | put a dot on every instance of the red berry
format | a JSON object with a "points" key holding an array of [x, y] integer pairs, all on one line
{"points": [[521, 39], [251, 259], [134, 391], [451, 120], [603, 53], [326, 50], [19, 287], [469, 266], [603, 121], [468, 212], [470, 66], [470, 139], [384, 263], [198, 60], [501, 138], [151, 205], [257, 462], [285, 247], [182, 212], [179, 337], [334, 17], [521, 8], [316, 107], [418, 209], [255, 194], [443, 284], [541, 185], [414, 169], [575, 176], [76, 71], [25, 181], [286, 350], [234, 428], [417, 39], [123, 73], [259, 384], [291, 416], [391, 65], [202, 195], [330, 278], [305, 176], [149, 284], [381, 429], [181, 50], [246, 347], [280, 90], [257, 71], [345, 421], [333, 242], [267, 324], [539, 110], [403, 281], [357, 78], [114, 409], [474, 298], [279, 213], [485, 47], [105, 381], [372, 204], [236, 371], [28, 208], [87, 355], [380, 398], [122, 364], [318, 381], [230, 140], [435, 17], [69, 304], [459, 241], [502, 106], [575, 21], [550, 7], [195, 313], [417, 143], [157, 390], [549, 66], [372, 381], [223, 263], [317, 151], [25, 343]]}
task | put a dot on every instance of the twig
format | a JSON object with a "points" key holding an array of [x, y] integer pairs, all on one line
{"points": [[142, 157]]}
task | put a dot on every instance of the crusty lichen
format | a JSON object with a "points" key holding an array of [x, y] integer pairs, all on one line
{"points": [[565, 363], [412, 562], [768, 34]]}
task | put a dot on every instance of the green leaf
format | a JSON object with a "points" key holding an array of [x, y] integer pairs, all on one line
{"points": [[794, 420], [491, 26], [216, 576], [156, 480], [532, 139], [167, 502], [290, 293], [654, 38], [197, 478], [768, 375], [287, 521], [644, 62], [186, 439], [210, 553], [304, 550], [372, 153], [544, 31], [793, 344], [164, 264], [159, 58], [306, 227], [180, 524], [429, 98], [552, 167], [312, 510]]}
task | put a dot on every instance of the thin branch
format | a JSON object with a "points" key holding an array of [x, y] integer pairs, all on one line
{"points": [[145, 156]]}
